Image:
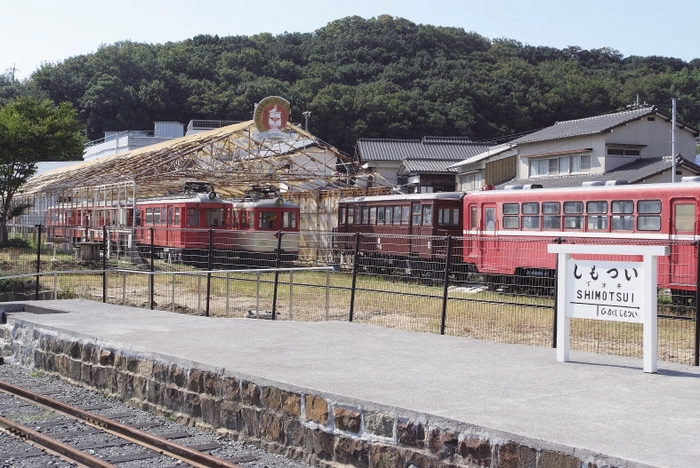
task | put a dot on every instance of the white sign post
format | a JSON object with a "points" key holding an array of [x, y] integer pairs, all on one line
{"points": [[622, 291]]}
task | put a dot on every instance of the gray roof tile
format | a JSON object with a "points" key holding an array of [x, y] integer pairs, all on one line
{"points": [[432, 166], [592, 125], [443, 148]]}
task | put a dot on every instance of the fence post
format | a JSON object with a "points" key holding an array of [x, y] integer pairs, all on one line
{"points": [[104, 264], [151, 280], [556, 293], [446, 284], [328, 293], [38, 262], [355, 262], [697, 298], [210, 266], [278, 265]]}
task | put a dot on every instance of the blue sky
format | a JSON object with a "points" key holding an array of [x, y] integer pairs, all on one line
{"points": [[33, 32]]}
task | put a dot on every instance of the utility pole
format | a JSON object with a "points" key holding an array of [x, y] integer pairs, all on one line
{"points": [[673, 141]]}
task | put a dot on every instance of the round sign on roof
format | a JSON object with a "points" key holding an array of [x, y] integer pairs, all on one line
{"points": [[271, 114]]}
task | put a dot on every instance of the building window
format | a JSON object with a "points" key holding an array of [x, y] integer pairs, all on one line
{"points": [[562, 165], [470, 181], [539, 167], [623, 152], [580, 163]]}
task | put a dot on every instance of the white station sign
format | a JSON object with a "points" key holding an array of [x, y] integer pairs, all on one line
{"points": [[605, 290]]}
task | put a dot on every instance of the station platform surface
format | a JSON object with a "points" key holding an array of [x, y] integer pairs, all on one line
{"points": [[605, 404]]}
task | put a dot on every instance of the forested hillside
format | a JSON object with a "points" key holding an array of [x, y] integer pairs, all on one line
{"points": [[382, 77]]}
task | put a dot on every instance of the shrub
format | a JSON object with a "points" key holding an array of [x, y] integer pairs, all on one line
{"points": [[17, 242]]}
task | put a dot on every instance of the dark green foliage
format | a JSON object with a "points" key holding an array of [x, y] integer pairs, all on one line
{"points": [[382, 77]]}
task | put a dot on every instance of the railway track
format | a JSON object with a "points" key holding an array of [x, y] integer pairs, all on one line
{"points": [[46, 423]]}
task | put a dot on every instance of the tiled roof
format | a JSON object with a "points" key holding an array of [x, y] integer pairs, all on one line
{"points": [[633, 172], [587, 126], [444, 148], [491, 151], [432, 166]]}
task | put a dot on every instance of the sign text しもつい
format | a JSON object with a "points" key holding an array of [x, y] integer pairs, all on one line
{"points": [[605, 290]]}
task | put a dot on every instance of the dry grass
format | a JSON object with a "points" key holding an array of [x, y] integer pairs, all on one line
{"points": [[392, 302]]}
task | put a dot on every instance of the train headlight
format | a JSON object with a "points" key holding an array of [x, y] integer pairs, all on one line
{"points": [[279, 201]]}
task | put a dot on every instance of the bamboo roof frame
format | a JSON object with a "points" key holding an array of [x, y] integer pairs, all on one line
{"points": [[231, 158]]}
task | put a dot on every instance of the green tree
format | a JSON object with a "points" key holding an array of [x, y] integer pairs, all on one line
{"points": [[32, 131]]}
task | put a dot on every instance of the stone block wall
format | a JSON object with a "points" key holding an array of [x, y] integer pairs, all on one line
{"points": [[322, 430]]}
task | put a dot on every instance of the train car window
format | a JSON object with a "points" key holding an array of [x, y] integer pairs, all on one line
{"points": [[149, 215], [511, 222], [427, 215], [597, 207], [156, 215], [511, 209], [405, 214], [358, 215], [215, 217], [649, 206], [531, 222], [365, 215], [170, 215], [373, 215], [474, 217], [415, 214], [648, 223], [193, 217], [251, 219], [163, 219], [397, 215], [177, 216], [551, 218], [380, 215], [623, 218], [341, 215], [684, 217], [448, 216], [234, 220], [289, 220], [597, 215], [351, 215], [267, 220], [572, 208], [531, 208]]}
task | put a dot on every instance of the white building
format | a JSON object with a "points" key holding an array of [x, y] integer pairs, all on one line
{"points": [[127, 140]]}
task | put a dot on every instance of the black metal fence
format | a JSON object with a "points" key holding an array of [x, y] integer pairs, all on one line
{"points": [[363, 278]]}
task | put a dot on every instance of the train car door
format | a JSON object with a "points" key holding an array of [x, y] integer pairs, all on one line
{"points": [[471, 241], [488, 240], [682, 259], [414, 230], [169, 228]]}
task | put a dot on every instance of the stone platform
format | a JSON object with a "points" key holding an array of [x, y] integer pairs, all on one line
{"points": [[342, 394]]}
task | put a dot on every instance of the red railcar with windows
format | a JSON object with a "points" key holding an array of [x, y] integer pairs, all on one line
{"points": [[506, 232], [246, 228], [393, 222]]}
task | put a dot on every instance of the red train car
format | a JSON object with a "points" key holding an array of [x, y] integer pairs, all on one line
{"points": [[178, 219], [497, 224], [246, 228], [388, 217]]}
